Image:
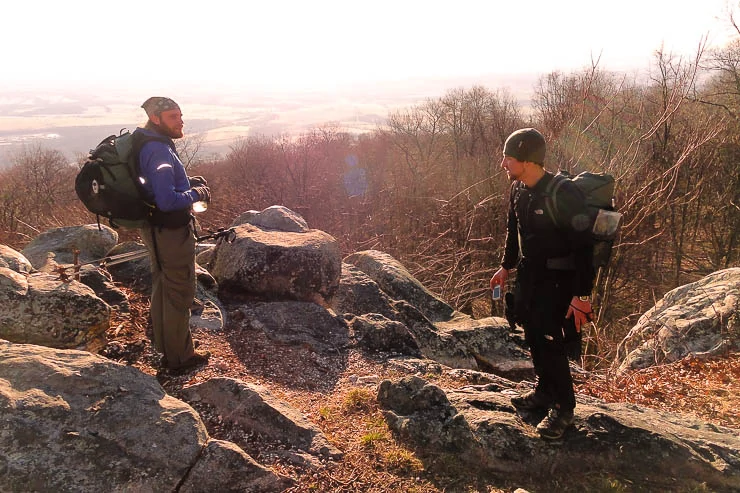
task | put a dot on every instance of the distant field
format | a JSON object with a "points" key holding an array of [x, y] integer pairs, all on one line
{"points": [[73, 122]]}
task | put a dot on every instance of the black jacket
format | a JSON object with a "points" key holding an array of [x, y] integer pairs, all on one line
{"points": [[532, 235]]}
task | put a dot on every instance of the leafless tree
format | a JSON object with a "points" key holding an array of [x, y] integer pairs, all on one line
{"points": [[188, 148], [36, 191]]}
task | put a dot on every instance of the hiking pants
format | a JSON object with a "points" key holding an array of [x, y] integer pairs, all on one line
{"points": [[542, 298], [172, 255]]}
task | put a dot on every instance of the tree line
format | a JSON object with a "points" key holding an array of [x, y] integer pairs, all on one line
{"points": [[427, 188]]}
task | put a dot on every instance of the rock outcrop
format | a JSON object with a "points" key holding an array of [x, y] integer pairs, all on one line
{"points": [[396, 281], [58, 245], [14, 260], [479, 428], [76, 421], [41, 309], [297, 323], [379, 298], [256, 410], [279, 265], [275, 217], [701, 318]]}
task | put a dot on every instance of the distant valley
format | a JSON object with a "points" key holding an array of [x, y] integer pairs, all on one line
{"points": [[73, 120]]}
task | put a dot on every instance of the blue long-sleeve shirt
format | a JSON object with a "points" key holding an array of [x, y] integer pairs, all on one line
{"points": [[165, 180]]}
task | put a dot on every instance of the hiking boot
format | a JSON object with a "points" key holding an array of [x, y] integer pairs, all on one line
{"points": [[553, 425], [531, 401], [198, 357], [163, 360]]}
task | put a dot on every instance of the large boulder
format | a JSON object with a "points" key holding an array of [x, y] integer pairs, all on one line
{"points": [[479, 429], [14, 260], [376, 333], [278, 265], [700, 319], [492, 345], [358, 294], [60, 244], [275, 217], [396, 281], [41, 309], [434, 344], [391, 322], [72, 420]]}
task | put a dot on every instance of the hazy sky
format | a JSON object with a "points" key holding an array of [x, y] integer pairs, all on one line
{"points": [[323, 44]]}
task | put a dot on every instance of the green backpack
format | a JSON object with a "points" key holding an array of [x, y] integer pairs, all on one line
{"points": [[109, 185], [598, 192]]}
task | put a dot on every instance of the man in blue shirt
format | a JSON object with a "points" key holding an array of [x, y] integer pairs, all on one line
{"points": [[170, 238]]}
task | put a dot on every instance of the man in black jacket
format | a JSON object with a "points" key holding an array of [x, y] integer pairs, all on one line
{"points": [[554, 274]]}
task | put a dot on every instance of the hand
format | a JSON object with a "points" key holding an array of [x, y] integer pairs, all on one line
{"points": [[198, 181], [204, 193], [499, 278], [580, 311]]}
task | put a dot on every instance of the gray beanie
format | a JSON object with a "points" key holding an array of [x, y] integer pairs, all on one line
{"points": [[526, 144]]}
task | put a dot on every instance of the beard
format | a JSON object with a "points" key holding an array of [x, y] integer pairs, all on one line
{"points": [[171, 132], [164, 129]]}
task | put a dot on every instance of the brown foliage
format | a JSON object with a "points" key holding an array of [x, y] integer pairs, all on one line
{"points": [[705, 388], [427, 188]]}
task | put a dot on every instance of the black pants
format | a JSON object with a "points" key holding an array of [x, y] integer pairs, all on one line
{"points": [[542, 297]]}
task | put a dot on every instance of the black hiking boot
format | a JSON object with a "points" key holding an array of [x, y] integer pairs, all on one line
{"points": [[553, 425], [531, 401]]}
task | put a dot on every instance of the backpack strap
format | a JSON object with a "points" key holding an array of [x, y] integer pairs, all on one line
{"points": [[137, 143], [551, 197]]}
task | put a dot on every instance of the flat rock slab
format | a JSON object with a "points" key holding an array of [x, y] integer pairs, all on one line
{"points": [[479, 427]]}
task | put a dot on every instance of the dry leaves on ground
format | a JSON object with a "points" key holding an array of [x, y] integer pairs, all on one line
{"points": [[706, 388]]}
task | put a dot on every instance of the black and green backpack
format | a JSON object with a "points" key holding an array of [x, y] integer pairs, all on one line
{"points": [[598, 192], [109, 183]]}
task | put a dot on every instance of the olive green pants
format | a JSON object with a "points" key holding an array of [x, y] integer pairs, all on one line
{"points": [[173, 290]]}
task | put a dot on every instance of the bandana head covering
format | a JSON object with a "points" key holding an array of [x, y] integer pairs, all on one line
{"points": [[157, 104]]}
